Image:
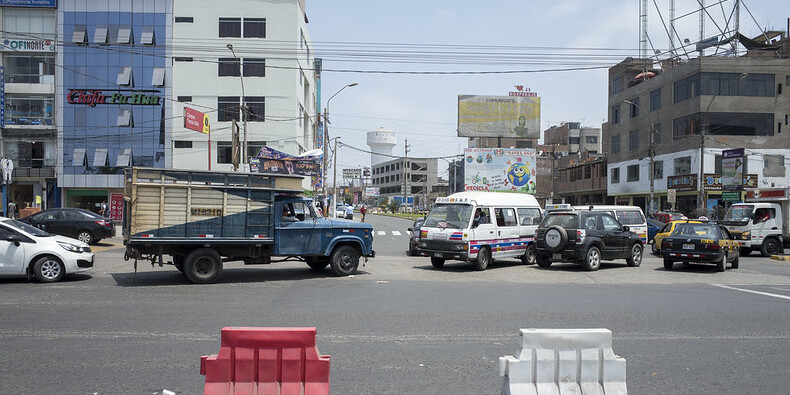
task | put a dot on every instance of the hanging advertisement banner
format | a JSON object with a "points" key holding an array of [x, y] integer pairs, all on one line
{"points": [[116, 207], [499, 169], [196, 120], [732, 169], [498, 116]]}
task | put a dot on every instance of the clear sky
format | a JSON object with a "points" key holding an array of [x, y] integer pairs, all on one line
{"points": [[560, 49]]}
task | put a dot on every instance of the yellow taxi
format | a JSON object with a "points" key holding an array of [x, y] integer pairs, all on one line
{"points": [[666, 231], [700, 243]]}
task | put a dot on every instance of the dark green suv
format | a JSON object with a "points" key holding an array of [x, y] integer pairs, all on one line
{"points": [[586, 237]]}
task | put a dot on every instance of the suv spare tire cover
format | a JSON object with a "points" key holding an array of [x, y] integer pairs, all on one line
{"points": [[555, 238]]}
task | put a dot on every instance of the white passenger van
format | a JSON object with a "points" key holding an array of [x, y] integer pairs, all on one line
{"points": [[632, 216], [506, 228]]}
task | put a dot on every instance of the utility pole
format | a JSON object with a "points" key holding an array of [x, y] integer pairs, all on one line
{"points": [[651, 208], [334, 177], [405, 170]]}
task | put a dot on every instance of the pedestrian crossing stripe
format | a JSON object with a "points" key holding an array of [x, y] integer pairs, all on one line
{"points": [[396, 233], [381, 233]]}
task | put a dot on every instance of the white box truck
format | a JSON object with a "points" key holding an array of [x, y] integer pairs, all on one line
{"points": [[761, 221]]}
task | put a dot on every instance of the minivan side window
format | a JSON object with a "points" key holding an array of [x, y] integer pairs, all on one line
{"points": [[630, 217], [505, 217], [529, 216], [609, 223]]}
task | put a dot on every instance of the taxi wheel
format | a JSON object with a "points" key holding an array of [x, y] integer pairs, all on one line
{"points": [[735, 262], [668, 264], [654, 248], [722, 264]]}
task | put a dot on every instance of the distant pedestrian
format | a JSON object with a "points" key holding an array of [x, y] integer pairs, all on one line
{"points": [[103, 209], [12, 211], [362, 211]]}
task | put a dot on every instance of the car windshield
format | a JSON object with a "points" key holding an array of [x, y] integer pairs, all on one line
{"points": [[449, 215], [566, 220], [696, 230], [32, 230], [738, 213]]}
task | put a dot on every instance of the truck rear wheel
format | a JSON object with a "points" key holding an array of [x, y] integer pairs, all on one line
{"points": [[345, 260], [203, 266], [770, 247]]}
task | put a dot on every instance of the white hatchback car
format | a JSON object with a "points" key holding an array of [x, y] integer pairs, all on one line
{"points": [[28, 251]]}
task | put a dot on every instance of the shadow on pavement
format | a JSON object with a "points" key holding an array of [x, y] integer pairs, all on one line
{"points": [[171, 276]]}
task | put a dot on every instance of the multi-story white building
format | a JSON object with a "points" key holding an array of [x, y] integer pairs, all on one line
{"points": [[245, 52]]}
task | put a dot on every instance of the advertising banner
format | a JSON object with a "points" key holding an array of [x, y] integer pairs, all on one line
{"points": [[116, 207], [371, 192], [27, 45], [498, 116], [29, 3], [196, 120], [352, 173], [499, 169], [732, 169]]}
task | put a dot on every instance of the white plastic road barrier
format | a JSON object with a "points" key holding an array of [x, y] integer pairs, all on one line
{"points": [[564, 361]]}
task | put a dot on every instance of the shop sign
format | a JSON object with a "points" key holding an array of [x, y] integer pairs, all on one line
{"points": [[92, 97], [623, 201], [116, 207], [731, 196], [28, 45], [29, 3], [712, 182], [686, 182], [672, 196]]}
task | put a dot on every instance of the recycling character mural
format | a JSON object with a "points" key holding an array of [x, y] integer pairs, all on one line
{"points": [[500, 169]]}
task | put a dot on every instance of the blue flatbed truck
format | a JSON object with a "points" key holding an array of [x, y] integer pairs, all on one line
{"points": [[201, 219]]}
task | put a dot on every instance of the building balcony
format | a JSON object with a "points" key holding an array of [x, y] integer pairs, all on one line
{"points": [[34, 172]]}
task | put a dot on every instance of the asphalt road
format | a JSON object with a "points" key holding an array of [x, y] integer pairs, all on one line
{"points": [[398, 326]]}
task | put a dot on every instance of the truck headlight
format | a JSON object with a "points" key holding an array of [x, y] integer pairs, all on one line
{"points": [[746, 235]]}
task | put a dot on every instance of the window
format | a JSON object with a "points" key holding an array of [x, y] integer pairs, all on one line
{"points": [[685, 126], [228, 108], [529, 216], [148, 36], [184, 19], [587, 171], [185, 99], [616, 114], [230, 27], [615, 175], [80, 35], [229, 67], [609, 223], [124, 35], [158, 78], [729, 84], [255, 27], [100, 158], [28, 110], [38, 69], [125, 77], [182, 144], [224, 152], [774, 166], [523, 143], [254, 147], [254, 67], [256, 107], [591, 139], [100, 34], [615, 148], [633, 173], [505, 217], [125, 118], [717, 164], [633, 140], [633, 108], [124, 158], [739, 124], [687, 88], [655, 100], [78, 157], [682, 166], [617, 84], [658, 170], [573, 140]]}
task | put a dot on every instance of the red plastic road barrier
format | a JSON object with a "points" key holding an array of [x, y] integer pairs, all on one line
{"points": [[264, 361]]}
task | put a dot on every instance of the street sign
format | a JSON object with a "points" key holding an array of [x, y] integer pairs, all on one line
{"points": [[731, 196], [671, 196]]}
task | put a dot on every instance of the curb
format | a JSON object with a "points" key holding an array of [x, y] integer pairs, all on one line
{"points": [[785, 258]]}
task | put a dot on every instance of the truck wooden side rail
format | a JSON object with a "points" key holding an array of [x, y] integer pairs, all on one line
{"points": [[202, 219]]}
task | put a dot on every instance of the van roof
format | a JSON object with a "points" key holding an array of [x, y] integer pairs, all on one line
{"points": [[491, 198], [607, 207]]}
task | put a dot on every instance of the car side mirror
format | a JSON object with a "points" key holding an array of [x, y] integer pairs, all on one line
{"points": [[626, 228], [410, 230], [14, 239]]}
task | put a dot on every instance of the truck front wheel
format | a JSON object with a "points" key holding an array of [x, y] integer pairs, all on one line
{"points": [[345, 260], [203, 266]]}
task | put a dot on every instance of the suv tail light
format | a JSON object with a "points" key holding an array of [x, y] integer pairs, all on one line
{"points": [[580, 234], [712, 246]]}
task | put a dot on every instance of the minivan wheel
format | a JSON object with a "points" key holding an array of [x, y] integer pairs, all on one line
{"points": [[483, 259], [636, 256], [529, 256], [592, 260], [437, 262]]}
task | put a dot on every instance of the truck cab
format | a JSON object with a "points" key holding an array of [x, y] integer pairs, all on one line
{"points": [[760, 222]]}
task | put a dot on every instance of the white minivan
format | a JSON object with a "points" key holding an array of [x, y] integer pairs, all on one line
{"points": [[632, 216], [481, 226]]}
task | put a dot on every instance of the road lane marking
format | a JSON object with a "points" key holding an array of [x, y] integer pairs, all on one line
{"points": [[753, 292], [396, 233], [381, 233]]}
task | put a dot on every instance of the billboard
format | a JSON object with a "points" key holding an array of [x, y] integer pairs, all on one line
{"points": [[352, 173], [372, 191], [732, 169], [500, 169], [498, 116], [196, 120]]}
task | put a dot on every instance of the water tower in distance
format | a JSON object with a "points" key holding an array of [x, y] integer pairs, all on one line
{"points": [[381, 142]]}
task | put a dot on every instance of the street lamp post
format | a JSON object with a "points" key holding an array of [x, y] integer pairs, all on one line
{"points": [[651, 152], [243, 106], [700, 189], [326, 141]]}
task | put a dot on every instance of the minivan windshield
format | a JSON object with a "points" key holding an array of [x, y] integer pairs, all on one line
{"points": [[449, 215]]}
